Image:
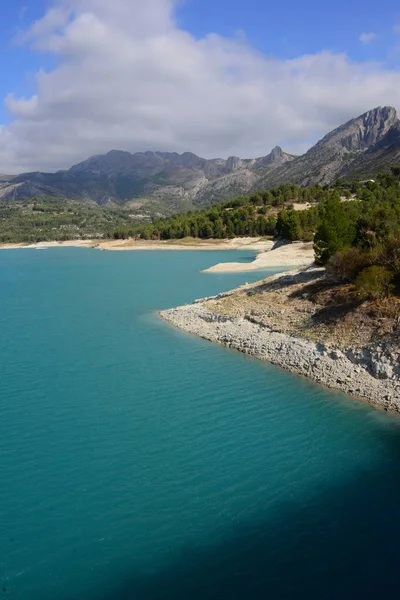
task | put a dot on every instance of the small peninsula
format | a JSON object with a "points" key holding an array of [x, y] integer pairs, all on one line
{"points": [[299, 321]]}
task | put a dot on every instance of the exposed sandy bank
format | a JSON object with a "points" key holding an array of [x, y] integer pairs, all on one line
{"points": [[41, 245], [257, 243], [283, 320], [187, 244], [289, 255]]}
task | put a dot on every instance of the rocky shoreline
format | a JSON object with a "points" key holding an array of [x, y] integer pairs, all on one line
{"points": [[370, 372]]}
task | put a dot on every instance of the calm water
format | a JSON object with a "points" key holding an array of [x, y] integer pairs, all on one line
{"points": [[140, 462]]}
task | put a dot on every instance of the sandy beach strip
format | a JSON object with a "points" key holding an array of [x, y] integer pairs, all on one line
{"points": [[243, 243], [43, 245], [296, 254]]}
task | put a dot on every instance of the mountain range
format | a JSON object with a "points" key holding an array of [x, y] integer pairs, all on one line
{"points": [[169, 182]]}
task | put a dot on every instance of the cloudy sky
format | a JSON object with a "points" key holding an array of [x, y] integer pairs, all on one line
{"points": [[216, 77]]}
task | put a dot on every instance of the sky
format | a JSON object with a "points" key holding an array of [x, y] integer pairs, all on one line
{"points": [[215, 77]]}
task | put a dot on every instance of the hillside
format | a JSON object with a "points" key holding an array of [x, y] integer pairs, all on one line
{"points": [[56, 219]]}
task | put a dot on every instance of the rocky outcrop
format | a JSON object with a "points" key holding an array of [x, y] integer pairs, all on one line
{"points": [[277, 155], [233, 164], [276, 158], [371, 373]]}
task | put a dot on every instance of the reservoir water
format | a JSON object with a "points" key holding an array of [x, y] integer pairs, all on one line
{"points": [[138, 462]]}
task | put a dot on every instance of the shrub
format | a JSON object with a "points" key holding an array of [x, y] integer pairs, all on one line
{"points": [[374, 282], [345, 265], [390, 253]]}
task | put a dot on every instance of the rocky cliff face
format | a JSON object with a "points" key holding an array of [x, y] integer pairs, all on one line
{"points": [[379, 157], [362, 132], [359, 148], [340, 152]]}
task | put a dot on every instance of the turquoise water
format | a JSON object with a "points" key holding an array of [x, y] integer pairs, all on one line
{"points": [[140, 462]]}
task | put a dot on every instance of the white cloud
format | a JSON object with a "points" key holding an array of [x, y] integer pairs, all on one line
{"points": [[396, 28], [367, 38], [127, 77]]}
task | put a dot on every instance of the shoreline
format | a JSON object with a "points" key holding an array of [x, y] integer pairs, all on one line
{"points": [[246, 243], [368, 372]]}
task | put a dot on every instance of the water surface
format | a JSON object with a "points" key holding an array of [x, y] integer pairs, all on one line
{"points": [[141, 462]]}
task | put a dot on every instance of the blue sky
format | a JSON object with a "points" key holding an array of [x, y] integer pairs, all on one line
{"points": [[295, 27], [18, 65], [363, 30]]}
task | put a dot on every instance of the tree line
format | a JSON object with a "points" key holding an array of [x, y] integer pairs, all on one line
{"points": [[268, 212]]}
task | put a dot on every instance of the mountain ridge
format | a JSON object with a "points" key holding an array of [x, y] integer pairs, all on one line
{"points": [[171, 181]]}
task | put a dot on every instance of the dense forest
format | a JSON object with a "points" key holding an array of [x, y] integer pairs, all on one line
{"points": [[264, 213]]}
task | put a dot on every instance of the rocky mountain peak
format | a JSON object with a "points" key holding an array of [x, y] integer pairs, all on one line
{"points": [[354, 145], [362, 132], [276, 154], [371, 127], [275, 158], [380, 116]]}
